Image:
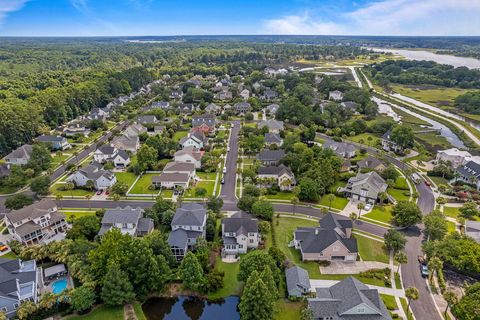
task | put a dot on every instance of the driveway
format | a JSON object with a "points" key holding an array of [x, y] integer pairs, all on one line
{"points": [[352, 207], [314, 284], [340, 267]]}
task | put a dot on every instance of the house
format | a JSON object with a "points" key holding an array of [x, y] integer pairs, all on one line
{"points": [[472, 229], [195, 139], [245, 94], [4, 170], [76, 129], [280, 175], [36, 223], [239, 233], [270, 157], [348, 299], [272, 125], [107, 153], [256, 86], [331, 241], [273, 139], [346, 166], [147, 119], [224, 95], [157, 130], [365, 187], [180, 167], [213, 109], [470, 173], [159, 105], [126, 143], [335, 95], [176, 94], [102, 179], [298, 281], [99, 114], [55, 142], [453, 156], [242, 107], [269, 94], [134, 130], [197, 83], [389, 145], [171, 180], [20, 281], [342, 149], [349, 106], [188, 224], [128, 220], [188, 108], [189, 154], [273, 108], [19, 156], [370, 163], [205, 123]]}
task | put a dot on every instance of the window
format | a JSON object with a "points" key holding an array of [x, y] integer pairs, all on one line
{"points": [[251, 240], [361, 310], [335, 248], [15, 306]]}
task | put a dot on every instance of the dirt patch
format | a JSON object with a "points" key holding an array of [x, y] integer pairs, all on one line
{"points": [[129, 312], [443, 103]]}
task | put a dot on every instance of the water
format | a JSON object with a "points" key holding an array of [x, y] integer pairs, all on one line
{"points": [[59, 285], [455, 61], [444, 130], [191, 308]]}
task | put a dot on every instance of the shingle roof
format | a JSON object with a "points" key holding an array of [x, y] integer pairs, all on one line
{"points": [[106, 149], [273, 138], [122, 215], [50, 138], [197, 155], [171, 177], [240, 224], [296, 277], [340, 148], [145, 225], [332, 221], [33, 211], [369, 162], [179, 167], [271, 124], [271, 155], [470, 169], [371, 178], [190, 214], [21, 152], [178, 238], [315, 240], [275, 170]]}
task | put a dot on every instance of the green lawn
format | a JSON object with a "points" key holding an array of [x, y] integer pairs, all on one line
{"points": [[365, 136], [401, 183], [167, 193], [7, 190], [389, 301], [143, 185], [137, 306], [404, 303], [451, 211], [399, 194], [127, 177], [207, 175], [339, 277], [75, 215], [451, 227], [439, 180], [281, 196], [380, 213], [437, 96], [57, 159], [75, 192], [179, 135], [371, 250], [287, 310], [221, 134], [231, 286], [339, 202], [284, 234], [208, 185], [9, 255], [398, 283], [102, 313]]}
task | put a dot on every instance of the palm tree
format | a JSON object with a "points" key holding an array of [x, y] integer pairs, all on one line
{"points": [[412, 294], [59, 197], [116, 197], [47, 300], [382, 196], [353, 216], [295, 201], [330, 197], [451, 299], [401, 258], [360, 207], [88, 197], [435, 265], [456, 175]]}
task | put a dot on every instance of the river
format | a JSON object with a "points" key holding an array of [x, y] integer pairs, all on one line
{"points": [[191, 308], [455, 61]]}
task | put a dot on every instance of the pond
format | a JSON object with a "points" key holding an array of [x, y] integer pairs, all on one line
{"points": [[191, 308]]}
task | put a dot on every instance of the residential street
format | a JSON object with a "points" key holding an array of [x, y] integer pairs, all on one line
{"points": [[227, 192]]}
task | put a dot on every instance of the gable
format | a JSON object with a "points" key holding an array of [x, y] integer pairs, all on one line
{"points": [[359, 309], [341, 248]]}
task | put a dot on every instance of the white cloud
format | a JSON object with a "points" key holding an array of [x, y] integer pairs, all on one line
{"points": [[8, 6], [80, 5], [388, 17]]}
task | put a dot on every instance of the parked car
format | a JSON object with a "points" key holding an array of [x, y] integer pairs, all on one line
{"points": [[224, 170], [428, 183], [99, 192], [3, 247], [222, 181], [423, 266]]}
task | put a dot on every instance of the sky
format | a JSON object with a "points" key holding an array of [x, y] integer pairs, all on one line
{"points": [[231, 17]]}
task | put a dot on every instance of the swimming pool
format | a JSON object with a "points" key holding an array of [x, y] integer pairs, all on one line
{"points": [[59, 285]]}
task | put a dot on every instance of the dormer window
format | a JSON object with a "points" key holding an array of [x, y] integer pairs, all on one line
{"points": [[361, 310]]}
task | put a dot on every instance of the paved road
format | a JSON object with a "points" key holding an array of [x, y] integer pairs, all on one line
{"points": [[227, 192]]}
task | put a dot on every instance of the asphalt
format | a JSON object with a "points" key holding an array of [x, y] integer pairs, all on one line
{"points": [[227, 192]]}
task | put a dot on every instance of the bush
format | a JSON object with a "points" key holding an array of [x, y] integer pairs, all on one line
{"points": [[324, 263]]}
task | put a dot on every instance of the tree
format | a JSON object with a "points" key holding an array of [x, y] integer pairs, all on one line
{"points": [[48, 300], [3, 315], [412, 294], [264, 227], [120, 188], [40, 158], [390, 173], [191, 273], [467, 307], [382, 196], [308, 190], [353, 216], [406, 214], [40, 185], [403, 136], [401, 258], [267, 278], [26, 309], [394, 240], [257, 260], [435, 265], [200, 192], [278, 256], [117, 289], [18, 201], [147, 157], [469, 210], [307, 313], [256, 302], [360, 207], [451, 299], [82, 299], [294, 201], [85, 227], [215, 204], [251, 190], [330, 197], [436, 226], [263, 210], [246, 202]]}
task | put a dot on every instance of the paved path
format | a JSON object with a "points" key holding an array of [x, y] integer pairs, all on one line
{"points": [[227, 192], [314, 284], [340, 267]]}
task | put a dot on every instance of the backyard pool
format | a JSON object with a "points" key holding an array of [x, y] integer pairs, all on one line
{"points": [[59, 285]]}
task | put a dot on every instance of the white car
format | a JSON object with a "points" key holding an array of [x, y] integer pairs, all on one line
{"points": [[228, 149], [224, 170]]}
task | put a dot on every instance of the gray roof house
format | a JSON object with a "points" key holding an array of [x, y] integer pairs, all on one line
{"points": [[239, 233], [196, 139], [472, 229], [365, 187], [298, 281], [4, 170], [207, 119], [19, 281], [107, 153], [20, 156], [349, 105], [76, 128], [270, 157], [127, 143], [272, 125], [269, 94], [470, 173], [188, 108], [273, 108], [128, 220], [188, 224], [160, 105], [331, 241], [348, 299], [371, 163], [335, 95], [147, 119], [180, 167], [36, 223], [388, 144], [273, 138], [342, 149], [213, 108], [171, 180], [280, 175], [242, 107], [55, 142], [102, 179]]}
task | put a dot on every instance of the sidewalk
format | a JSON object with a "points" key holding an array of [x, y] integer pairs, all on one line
{"points": [[328, 283]]}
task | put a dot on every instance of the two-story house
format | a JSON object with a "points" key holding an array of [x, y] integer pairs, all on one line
{"points": [[107, 153], [36, 223], [365, 187], [335, 95], [20, 156], [270, 157], [55, 142], [273, 126], [342, 149], [239, 233], [205, 123], [102, 179], [188, 224], [191, 155], [128, 220], [280, 175], [196, 139]]}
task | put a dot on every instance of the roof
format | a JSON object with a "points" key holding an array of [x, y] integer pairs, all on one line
{"points": [[147, 119], [386, 135], [14, 273], [275, 170], [178, 238], [273, 138], [342, 297], [33, 211], [369, 162], [21, 152], [472, 229], [122, 215], [179, 167], [145, 225], [332, 221], [106, 149], [455, 152], [4, 170], [470, 169], [56, 269], [171, 177], [94, 171], [271, 124], [271, 155], [340, 148], [240, 224], [190, 214], [50, 138], [241, 106], [296, 277], [373, 180], [317, 239], [197, 155]]}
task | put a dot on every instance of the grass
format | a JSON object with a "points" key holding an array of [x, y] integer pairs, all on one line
{"points": [[71, 215], [231, 286], [339, 277], [143, 185], [404, 303], [9, 255], [287, 310], [207, 175], [102, 313], [371, 250], [179, 135], [435, 140], [389, 301], [401, 183], [137, 306], [452, 212], [74, 192], [208, 185], [398, 282], [126, 177], [399, 194], [167, 193], [365, 137], [451, 227], [281, 196], [381, 213], [7, 189], [439, 180], [339, 202], [57, 159], [437, 96]]}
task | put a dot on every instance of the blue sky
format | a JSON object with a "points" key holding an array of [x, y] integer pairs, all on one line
{"points": [[187, 17]]}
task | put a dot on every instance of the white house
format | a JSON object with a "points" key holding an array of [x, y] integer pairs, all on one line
{"points": [[335, 95], [239, 233], [180, 167], [454, 156], [171, 180], [106, 153], [102, 179], [20, 156], [190, 155], [196, 139], [245, 94]]}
